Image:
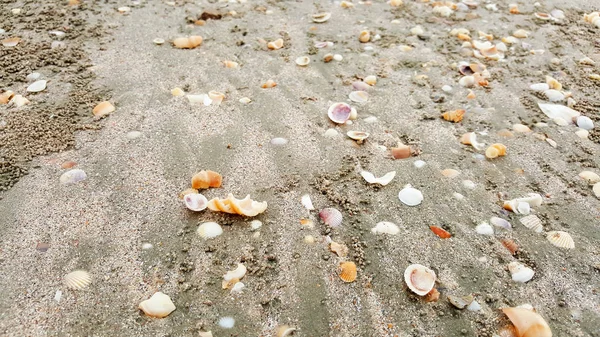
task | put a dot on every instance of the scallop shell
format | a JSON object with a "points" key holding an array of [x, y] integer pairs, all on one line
{"points": [[450, 173], [307, 203], [532, 222], [284, 331], [321, 17], [331, 217], [73, 176], [384, 180], [274, 45], [37, 86], [246, 206], [195, 202], [347, 271], [339, 249], [209, 230], [419, 279], [410, 196], [77, 279], [303, 61], [187, 42], [528, 323], [589, 176], [159, 305], [470, 138], [103, 109], [440, 232], [206, 179], [499, 222], [358, 136], [520, 272], [359, 96], [454, 116], [385, 227], [339, 112], [561, 239]]}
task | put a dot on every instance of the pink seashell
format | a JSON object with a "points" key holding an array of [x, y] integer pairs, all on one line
{"points": [[331, 217], [499, 222], [339, 112]]}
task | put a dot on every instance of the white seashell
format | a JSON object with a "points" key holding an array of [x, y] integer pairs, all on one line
{"points": [[589, 176], [558, 111], [158, 41], [583, 134], [237, 288], [417, 30], [419, 279], [361, 86], [469, 184], [33, 76], [359, 96], [520, 272], [539, 87], [338, 57], [73, 176], [484, 229], [557, 14], [474, 306], [159, 305], [195, 202], [554, 95], [444, 11], [236, 274], [384, 180], [467, 81], [370, 119], [245, 100], [410, 196], [561, 239], [37, 86], [255, 224], [147, 246], [279, 141], [77, 280], [339, 112], [520, 33], [596, 190], [226, 322], [458, 196], [331, 217], [532, 199], [385, 227], [584, 122], [499, 222], [419, 163], [285, 331], [124, 9], [303, 61], [133, 135], [202, 98], [521, 128], [358, 136], [209, 230], [307, 203], [330, 133], [321, 17], [471, 139], [523, 208], [205, 334], [532, 222], [216, 97]]}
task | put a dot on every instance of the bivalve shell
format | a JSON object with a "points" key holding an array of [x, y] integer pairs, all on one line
{"points": [[77, 279], [347, 271], [37, 86], [410, 196], [303, 61], [484, 229], [195, 202], [520, 272], [209, 230], [339, 112], [561, 239], [499, 222], [159, 305], [450, 173], [103, 109], [187, 42], [274, 45], [216, 97], [206, 179], [371, 80], [307, 203], [359, 96], [532, 222], [589, 176], [596, 190], [364, 36], [73, 176], [419, 279], [385, 227], [358, 136], [331, 217], [321, 17], [584, 122]]}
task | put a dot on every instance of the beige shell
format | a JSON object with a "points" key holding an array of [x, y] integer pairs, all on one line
{"points": [[596, 190], [521, 128], [206, 179], [303, 61], [77, 279], [209, 230], [6, 96], [274, 45], [321, 17], [284, 331], [561, 239], [177, 92], [216, 97], [532, 222], [268, 84], [419, 279], [159, 305], [187, 42], [234, 276], [359, 96], [347, 271], [103, 109], [365, 36], [339, 249], [383, 180], [19, 101], [230, 64], [358, 136], [454, 116], [470, 138], [450, 173], [521, 33], [528, 323], [370, 80], [346, 4], [589, 176], [553, 83], [205, 334], [246, 206]]}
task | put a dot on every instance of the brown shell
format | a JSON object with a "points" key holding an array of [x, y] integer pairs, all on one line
{"points": [[400, 152], [432, 296], [347, 271], [206, 179], [510, 245], [454, 116]]}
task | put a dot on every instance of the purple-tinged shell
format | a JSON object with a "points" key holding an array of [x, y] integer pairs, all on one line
{"points": [[339, 112]]}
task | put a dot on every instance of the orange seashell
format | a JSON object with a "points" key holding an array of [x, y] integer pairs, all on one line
{"points": [[492, 153], [454, 116], [400, 152], [510, 245], [347, 271], [432, 296], [199, 22], [188, 42], [231, 205], [463, 37], [268, 84], [500, 147], [103, 109], [439, 231], [68, 164], [471, 95], [206, 179], [513, 9], [230, 64], [364, 36], [528, 323]]}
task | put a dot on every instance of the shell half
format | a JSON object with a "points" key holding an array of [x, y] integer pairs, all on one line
{"points": [[528, 323], [384, 180], [520, 272], [410, 196], [331, 217], [419, 279], [77, 279], [561, 239], [159, 305], [385, 227], [339, 112], [209, 230], [532, 222], [195, 202], [347, 271]]}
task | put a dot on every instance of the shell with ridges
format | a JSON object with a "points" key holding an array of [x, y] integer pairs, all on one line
{"points": [[532, 222], [419, 279], [209, 230], [331, 217], [347, 271], [159, 305], [561, 239], [77, 279]]}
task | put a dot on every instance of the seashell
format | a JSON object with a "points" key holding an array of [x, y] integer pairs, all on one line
{"points": [[37, 86], [510, 245], [385, 227], [358, 136], [499, 222], [159, 305], [419, 279], [307, 203], [323, 44], [400, 152], [216, 97], [542, 16], [586, 61], [365, 36], [396, 3], [274, 45], [6, 96], [204, 99], [206, 179], [321, 17], [33, 77], [532, 222], [11, 42], [195, 202], [77, 279], [484, 229], [520, 33], [582, 121], [246, 206], [561, 239], [444, 11], [417, 30], [470, 138], [237, 288], [327, 58], [450, 173], [467, 81], [583, 134], [236, 274], [432, 296], [540, 87], [209, 230], [528, 323], [73, 176], [469, 184], [230, 64], [440, 232], [410, 196], [513, 9], [554, 95], [177, 92], [68, 164], [255, 224], [245, 100], [371, 80], [226, 322], [124, 10], [557, 14], [331, 217], [359, 96], [279, 141], [19, 101], [359, 85], [520, 272], [339, 112], [521, 128], [454, 116], [307, 222], [596, 190], [187, 42], [330, 133], [205, 334], [495, 150], [186, 192], [384, 180], [460, 302], [339, 249], [589, 176], [303, 61], [268, 84], [346, 4], [284, 331], [347, 271], [103, 109], [158, 41]]}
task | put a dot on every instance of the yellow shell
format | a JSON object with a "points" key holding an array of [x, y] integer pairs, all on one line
{"points": [[206, 179], [246, 206], [561, 239], [495, 150], [454, 116], [528, 323], [364, 36], [230, 64], [347, 271], [77, 280], [177, 92]]}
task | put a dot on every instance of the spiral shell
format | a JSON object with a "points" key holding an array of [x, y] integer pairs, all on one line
{"points": [[561, 239], [206, 179], [347, 271], [331, 217], [419, 279], [159, 305], [77, 279]]}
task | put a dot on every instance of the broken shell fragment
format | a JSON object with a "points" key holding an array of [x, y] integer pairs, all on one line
{"points": [[484, 229], [532, 199], [216, 97], [268, 84], [419, 279], [410, 196], [284, 331], [521, 33], [521, 128], [359, 96], [6, 96], [520, 272], [450, 173], [327, 58], [37, 86], [307, 203], [246, 206], [206, 179], [233, 276], [584, 122], [73, 176], [230, 64], [396, 3], [177, 92], [339, 112], [209, 230], [186, 192], [245, 100], [528, 323], [303, 61], [400, 152], [159, 305], [499, 222], [495, 151], [384, 180], [274, 45], [187, 42], [596, 190], [18, 101], [11, 42], [470, 138], [561, 239], [347, 271], [331, 217], [532, 222], [454, 116], [358, 136], [339, 249], [440, 232], [321, 17], [385, 227], [103, 109], [77, 279], [195, 202], [365, 36]]}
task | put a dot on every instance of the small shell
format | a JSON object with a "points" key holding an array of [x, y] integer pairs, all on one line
{"points": [[331, 217], [19, 101], [37, 86], [542, 16], [561, 239], [303, 61], [6, 96], [231, 64], [159, 305], [532, 199], [410, 196], [206, 179], [454, 116], [358, 136], [103, 109], [245, 100], [268, 84], [216, 97], [528, 323], [226, 322], [279, 141], [232, 205], [520, 272], [255, 225], [384, 180], [236, 274], [400, 152], [385, 227], [237, 288], [365, 36], [396, 3], [467, 81], [274, 45], [596, 190], [553, 83], [450, 173], [330, 133], [77, 280], [495, 150], [284, 331], [73, 176], [554, 95], [338, 57], [584, 122], [532, 222], [307, 203], [470, 138], [11, 42], [205, 334], [195, 202], [521, 128], [541, 87], [321, 17], [359, 85], [187, 42], [371, 80], [440, 232], [469, 184], [158, 41], [513, 9], [209, 230], [307, 222], [347, 271], [510, 245], [346, 4], [339, 249], [589, 176], [177, 92], [521, 33], [499, 222], [203, 98], [339, 112], [359, 96], [327, 58], [419, 279], [124, 9], [484, 229]]}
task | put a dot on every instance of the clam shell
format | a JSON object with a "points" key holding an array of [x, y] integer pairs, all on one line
{"points": [[103, 109], [206, 179], [584, 122], [279, 141], [385, 227], [339, 249], [330, 133], [371, 80], [159, 305], [589, 176], [195, 202], [561, 239], [467, 81], [384, 180], [73, 176], [520, 272], [347, 271], [364, 36], [400, 152], [542, 87], [216, 97], [554, 95], [331, 217], [77, 279], [440, 232], [419, 279], [307, 203], [359, 96], [321, 17], [18, 101], [11, 42], [339, 112], [596, 190], [410, 196], [209, 230], [528, 323], [499, 222], [484, 229], [274, 45], [521, 128], [158, 41], [359, 136], [303, 61], [37, 86], [532, 222]]}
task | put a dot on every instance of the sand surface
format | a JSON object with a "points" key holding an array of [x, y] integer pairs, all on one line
{"points": [[130, 196]]}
